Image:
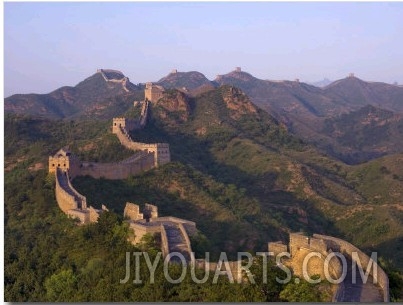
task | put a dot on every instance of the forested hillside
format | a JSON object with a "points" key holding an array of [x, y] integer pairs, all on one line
{"points": [[236, 171]]}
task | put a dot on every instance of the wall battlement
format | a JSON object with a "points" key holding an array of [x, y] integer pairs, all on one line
{"points": [[325, 245], [122, 80], [174, 231], [66, 166], [71, 202], [121, 127], [343, 246]]}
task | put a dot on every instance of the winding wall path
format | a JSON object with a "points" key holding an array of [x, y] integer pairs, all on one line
{"points": [[67, 197]]}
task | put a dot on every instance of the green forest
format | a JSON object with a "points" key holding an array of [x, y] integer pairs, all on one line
{"points": [[243, 179], [49, 258]]}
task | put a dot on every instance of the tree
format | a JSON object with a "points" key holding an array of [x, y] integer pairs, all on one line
{"points": [[298, 290], [61, 286]]}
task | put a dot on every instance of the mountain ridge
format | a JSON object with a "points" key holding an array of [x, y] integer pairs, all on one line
{"points": [[303, 108], [68, 101], [268, 94]]}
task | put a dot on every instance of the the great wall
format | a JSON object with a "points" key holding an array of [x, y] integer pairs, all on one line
{"points": [[115, 77], [174, 232], [322, 247]]}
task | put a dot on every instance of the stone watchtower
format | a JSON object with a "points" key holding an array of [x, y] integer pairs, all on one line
{"points": [[64, 160], [117, 124], [150, 211], [153, 92], [162, 154], [124, 123]]}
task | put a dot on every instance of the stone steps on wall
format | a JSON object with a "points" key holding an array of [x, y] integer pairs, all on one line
{"points": [[176, 241]]}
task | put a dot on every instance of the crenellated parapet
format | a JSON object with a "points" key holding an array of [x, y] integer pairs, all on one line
{"points": [[114, 76], [65, 197], [174, 231], [360, 258], [321, 247], [121, 127], [66, 166], [71, 202]]}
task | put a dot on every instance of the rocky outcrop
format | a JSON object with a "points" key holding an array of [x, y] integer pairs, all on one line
{"points": [[238, 102], [174, 101]]}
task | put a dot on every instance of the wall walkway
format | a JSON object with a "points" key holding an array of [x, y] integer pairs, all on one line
{"points": [[67, 197], [379, 275]]}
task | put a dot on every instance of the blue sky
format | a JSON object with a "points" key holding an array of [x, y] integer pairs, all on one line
{"points": [[48, 45]]}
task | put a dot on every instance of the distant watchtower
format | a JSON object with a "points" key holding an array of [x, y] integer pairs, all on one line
{"points": [[351, 75], [238, 69]]}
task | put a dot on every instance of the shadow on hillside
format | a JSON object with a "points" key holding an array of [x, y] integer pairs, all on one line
{"points": [[280, 210], [392, 250], [390, 256], [223, 233]]}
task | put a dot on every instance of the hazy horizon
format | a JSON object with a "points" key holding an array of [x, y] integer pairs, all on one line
{"points": [[49, 45]]}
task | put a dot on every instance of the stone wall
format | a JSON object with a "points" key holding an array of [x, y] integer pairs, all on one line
{"points": [[132, 211], [81, 200], [141, 229], [156, 225], [164, 242], [347, 248], [64, 198], [277, 247], [64, 160], [119, 170], [81, 215], [153, 92], [175, 220], [122, 126], [298, 240], [128, 124], [124, 80], [103, 71], [72, 202], [144, 114], [150, 211], [304, 244], [186, 237], [318, 245], [161, 153], [315, 263], [159, 150]]}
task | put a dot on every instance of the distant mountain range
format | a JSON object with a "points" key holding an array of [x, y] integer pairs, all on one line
{"points": [[97, 94], [306, 110]]}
